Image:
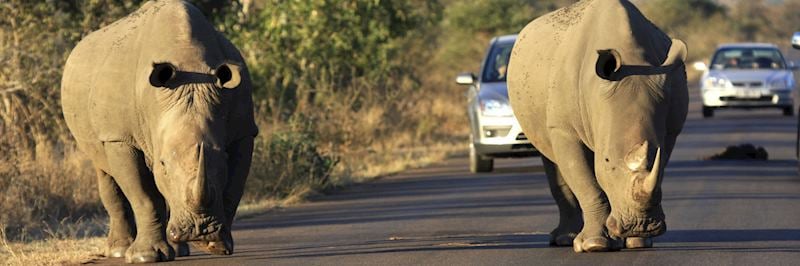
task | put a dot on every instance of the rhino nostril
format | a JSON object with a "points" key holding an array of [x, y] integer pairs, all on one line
{"points": [[174, 235], [613, 226]]}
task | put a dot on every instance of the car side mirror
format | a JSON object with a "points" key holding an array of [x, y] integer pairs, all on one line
{"points": [[465, 79], [700, 66], [796, 40]]}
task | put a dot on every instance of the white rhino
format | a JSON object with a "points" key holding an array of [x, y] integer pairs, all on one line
{"points": [[601, 92], [161, 103]]}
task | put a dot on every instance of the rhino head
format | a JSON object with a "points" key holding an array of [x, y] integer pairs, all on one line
{"points": [[193, 83], [191, 136], [637, 114]]}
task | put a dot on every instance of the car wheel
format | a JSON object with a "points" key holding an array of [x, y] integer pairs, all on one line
{"points": [[478, 163], [788, 111], [708, 111]]}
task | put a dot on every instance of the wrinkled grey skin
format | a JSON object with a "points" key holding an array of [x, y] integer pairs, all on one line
{"points": [[161, 103], [602, 93]]}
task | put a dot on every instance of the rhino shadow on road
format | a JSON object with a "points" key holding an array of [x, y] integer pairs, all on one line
{"points": [[729, 170], [766, 124], [731, 235], [402, 245]]}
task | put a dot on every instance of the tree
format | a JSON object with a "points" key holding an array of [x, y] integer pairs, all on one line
{"points": [[297, 49]]}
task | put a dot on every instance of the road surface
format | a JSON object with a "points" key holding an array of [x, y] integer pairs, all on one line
{"points": [[718, 212]]}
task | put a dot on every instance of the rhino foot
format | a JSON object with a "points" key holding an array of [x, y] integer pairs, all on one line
{"points": [[117, 244], [116, 251], [595, 244], [638, 242], [144, 252]]}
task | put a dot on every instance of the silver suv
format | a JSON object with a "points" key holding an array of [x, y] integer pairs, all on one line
{"points": [[494, 130]]}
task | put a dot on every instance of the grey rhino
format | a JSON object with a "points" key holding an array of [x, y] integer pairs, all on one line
{"points": [[161, 103], [602, 93]]}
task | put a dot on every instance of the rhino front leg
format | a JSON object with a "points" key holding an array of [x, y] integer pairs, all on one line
{"points": [[575, 165], [240, 155], [121, 229], [131, 174], [570, 221]]}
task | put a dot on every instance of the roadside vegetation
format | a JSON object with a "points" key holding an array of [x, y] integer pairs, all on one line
{"points": [[704, 24], [345, 91]]}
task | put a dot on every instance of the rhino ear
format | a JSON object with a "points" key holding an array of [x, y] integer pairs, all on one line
{"points": [[608, 62], [228, 76], [162, 73], [677, 53]]}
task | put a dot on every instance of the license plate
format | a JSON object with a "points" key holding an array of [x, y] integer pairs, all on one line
{"points": [[748, 94]]}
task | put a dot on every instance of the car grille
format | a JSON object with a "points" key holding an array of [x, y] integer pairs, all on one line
{"points": [[527, 146], [765, 98], [748, 84]]}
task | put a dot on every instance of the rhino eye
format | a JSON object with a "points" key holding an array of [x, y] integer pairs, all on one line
{"points": [[162, 73]]}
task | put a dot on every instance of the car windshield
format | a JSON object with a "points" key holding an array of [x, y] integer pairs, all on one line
{"points": [[748, 58], [497, 63]]}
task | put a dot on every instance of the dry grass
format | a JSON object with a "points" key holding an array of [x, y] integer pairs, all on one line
{"points": [[53, 251], [42, 194]]}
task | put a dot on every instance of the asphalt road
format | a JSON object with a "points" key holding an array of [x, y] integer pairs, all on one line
{"points": [[718, 212]]}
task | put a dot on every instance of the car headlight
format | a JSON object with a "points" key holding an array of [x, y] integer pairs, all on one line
{"points": [[779, 84], [715, 82], [496, 108]]}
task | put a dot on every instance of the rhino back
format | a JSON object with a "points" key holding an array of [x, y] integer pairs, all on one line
{"points": [[534, 82], [552, 70], [98, 83]]}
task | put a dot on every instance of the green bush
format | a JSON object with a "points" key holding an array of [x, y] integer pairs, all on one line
{"points": [[704, 24], [296, 49], [288, 160]]}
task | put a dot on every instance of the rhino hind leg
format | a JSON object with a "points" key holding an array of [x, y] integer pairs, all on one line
{"points": [[570, 221], [121, 229], [134, 179]]}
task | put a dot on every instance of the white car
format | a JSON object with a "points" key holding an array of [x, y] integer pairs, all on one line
{"points": [[494, 130], [796, 40], [747, 75]]}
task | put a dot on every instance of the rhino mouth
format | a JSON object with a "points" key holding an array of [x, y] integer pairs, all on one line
{"points": [[636, 226], [197, 228]]}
